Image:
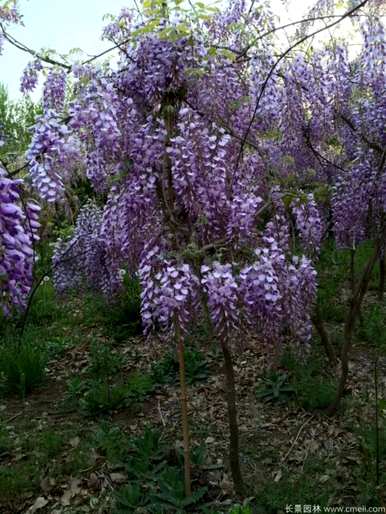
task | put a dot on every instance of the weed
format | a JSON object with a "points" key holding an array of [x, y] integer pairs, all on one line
{"points": [[171, 496], [275, 388], [97, 396], [274, 495], [130, 498], [155, 483], [45, 307], [111, 442], [241, 509], [367, 476], [313, 390], [22, 367], [368, 440], [166, 371], [5, 442], [16, 480], [49, 444], [103, 362], [101, 397], [121, 319], [43, 447], [373, 328]]}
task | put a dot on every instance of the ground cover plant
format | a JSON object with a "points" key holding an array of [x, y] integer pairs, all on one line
{"points": [[192, 265]]}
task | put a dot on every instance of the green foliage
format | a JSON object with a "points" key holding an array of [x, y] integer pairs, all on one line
{"points": [[111, 442], [5, 442], [331, 283], [130, 498], [366, 475], [124, 317], [45, 307], [121, 319], [103, 362], [15, 119], [373, 327], [275, 388], [46, 445], [313, 389], [16, 480], [292, 489], [22, 367], [97, 396], [314, 392], [166, 370], [155, 479], [100, 398], [241, 509], [368, 440], [171, 496]]}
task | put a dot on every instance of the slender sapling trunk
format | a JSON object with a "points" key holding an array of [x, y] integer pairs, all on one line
{"points": [[234, 454], [184, 410], [351, 318]]}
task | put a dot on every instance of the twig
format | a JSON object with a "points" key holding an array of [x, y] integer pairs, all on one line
{"points": [[297, 437], [24, 48], [276, 64], [14, 417], [160, 414]]}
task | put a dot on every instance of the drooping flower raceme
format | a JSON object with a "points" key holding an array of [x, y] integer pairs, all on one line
{"points": [[29, 78], [222, 290], [81, 260], [54, 90], [53, 156], [308, 222], [18, 231], [169, 293]]}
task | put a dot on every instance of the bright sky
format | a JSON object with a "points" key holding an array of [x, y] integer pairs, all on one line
{"points": [[56, 24], [66, 24]]}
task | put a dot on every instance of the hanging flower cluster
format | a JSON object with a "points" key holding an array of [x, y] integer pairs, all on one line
{"points": [[18, 231], [29, 78], [308, 222], [81, 260], [54, 90], [169, 292], [53, 156], [196, 153]]}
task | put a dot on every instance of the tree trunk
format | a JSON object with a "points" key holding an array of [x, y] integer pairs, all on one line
{"points": [[184, 411], [351, 318], [382, 276], [318, 323], [234, 456], [352, 270], [377, 446]]}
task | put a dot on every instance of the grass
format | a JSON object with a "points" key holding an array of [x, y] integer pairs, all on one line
{"points": [[22, 367], [120, 319], [372, 329], [16, 480], [153, 464], [98, 396], [275, 388], [272, 497], [103, 361], [313, 389], [166, 370], [155, 479]]}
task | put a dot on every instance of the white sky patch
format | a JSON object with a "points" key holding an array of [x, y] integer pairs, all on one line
{"points": [[63, 25]]}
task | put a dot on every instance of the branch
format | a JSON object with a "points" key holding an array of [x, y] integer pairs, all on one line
{"points": [[353, 128], [277, 62], [244, 52], [28, 50]]}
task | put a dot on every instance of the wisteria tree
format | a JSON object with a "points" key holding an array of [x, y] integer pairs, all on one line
{"points": [[225, 166]]}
